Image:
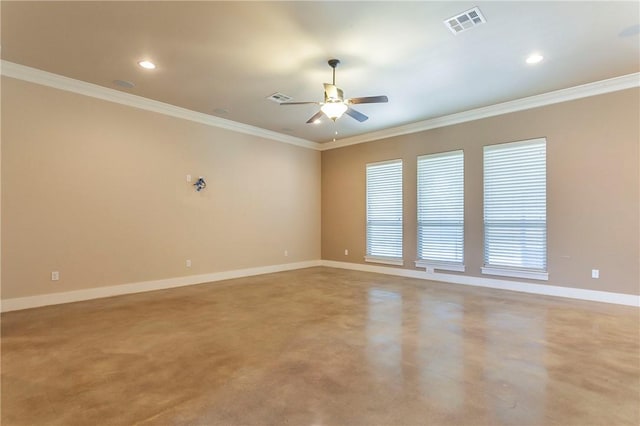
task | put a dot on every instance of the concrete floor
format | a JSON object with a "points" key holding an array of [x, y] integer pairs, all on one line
{"points": [[322, 346]]}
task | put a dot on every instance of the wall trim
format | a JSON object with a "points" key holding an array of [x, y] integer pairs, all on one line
{"points": [[563, 95], [542, 289], [18, 303], [44, 78]]}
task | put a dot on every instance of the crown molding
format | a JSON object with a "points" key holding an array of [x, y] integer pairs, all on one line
{"points": [[44, 78], [563, 95], [33, 75]]}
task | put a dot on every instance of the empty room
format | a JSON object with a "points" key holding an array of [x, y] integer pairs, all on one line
{"points": [[320, 213]]}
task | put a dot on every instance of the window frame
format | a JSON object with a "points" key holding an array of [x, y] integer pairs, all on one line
{"points": [[378, 258], [509, 270], [458, 205]]}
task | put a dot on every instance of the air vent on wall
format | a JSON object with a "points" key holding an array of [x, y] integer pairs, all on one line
{"points": [[465, 20], [279, 98]]}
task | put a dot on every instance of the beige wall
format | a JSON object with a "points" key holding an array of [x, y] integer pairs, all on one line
{"points": [[593, 188], [97, 191]]}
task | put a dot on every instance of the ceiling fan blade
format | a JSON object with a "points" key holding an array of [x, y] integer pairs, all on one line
{"points": [[315, 117], [356, 114], [299, 103], [368, 100], [332, 92]]}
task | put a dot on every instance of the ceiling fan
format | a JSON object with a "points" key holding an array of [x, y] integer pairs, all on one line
{"points": [[335, 105]]}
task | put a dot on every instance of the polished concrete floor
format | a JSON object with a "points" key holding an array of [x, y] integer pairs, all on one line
{"points": [[322, 346]]}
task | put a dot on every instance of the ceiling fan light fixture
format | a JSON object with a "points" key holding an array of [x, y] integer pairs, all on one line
{"points": [[335, 105], [334, 110]]}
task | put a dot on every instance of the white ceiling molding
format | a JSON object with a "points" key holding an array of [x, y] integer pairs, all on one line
{"points": [[33, 75], [44, 78], [591, 89]]}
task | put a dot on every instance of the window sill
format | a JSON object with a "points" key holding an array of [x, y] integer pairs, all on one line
{"points": [[515, 273], [385, 260], [441, 266]]}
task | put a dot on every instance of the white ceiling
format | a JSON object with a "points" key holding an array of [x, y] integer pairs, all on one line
{"points": [[229, 56]]}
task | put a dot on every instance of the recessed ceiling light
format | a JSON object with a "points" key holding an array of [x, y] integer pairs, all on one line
{"points": [[534, 58], [147, 65]]}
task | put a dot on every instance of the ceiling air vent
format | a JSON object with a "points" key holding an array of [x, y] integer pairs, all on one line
{"points": [[279, 97], [465, 20]]}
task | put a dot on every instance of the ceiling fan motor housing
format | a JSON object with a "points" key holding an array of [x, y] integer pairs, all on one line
{"points": [[333, 94]]}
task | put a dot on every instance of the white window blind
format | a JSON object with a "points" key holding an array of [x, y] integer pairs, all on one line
{"points": [[441, 210], [515, 209], [384, 212]]}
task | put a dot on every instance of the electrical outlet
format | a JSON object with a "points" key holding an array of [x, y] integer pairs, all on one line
{"points": [[286, 253], [188, 263], [188, 178], [595, 273], [55, 276], [346, 252], [430, 269]]}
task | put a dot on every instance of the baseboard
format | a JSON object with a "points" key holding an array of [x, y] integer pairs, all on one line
{"points": [[547, 290], [19, 303]]}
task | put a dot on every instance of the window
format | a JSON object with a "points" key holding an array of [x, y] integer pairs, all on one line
{"points": [[515, 209], [384, 212], [441, 211]]}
